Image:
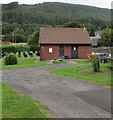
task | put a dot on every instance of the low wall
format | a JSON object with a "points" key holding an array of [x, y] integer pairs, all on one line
{"points": [[103, 50]]}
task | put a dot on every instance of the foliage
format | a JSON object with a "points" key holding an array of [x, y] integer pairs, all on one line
{"points": [[10, 6], [20, 48], [20, 54], [17, 36], [56, 14], [19, 23], [20, 38], [8, 49], [34, 48], [7, 37], [91, 28], [33, 40], [72, 25], [10, 59], [106, 38], [26, 48], [96, 63]]}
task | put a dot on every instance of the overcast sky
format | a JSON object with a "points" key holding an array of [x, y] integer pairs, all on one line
{"points": [[97, 3]]}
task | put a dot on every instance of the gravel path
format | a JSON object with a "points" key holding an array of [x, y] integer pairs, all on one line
{"points": [[67, 97]]}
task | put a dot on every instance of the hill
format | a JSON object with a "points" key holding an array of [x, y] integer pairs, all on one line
{"points": [[55, 13]]}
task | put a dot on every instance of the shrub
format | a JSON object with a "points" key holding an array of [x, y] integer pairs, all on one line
{"points": [[10, 59], [8, 49], [24, 54], [34, 48], [26, 48], [18, 48], [37, 53], [33, 40], [96, 63], [30, 54]]}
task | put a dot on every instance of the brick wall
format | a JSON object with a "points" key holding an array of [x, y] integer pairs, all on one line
{"points": [[44, 52], [45, 55], [83, 51]]}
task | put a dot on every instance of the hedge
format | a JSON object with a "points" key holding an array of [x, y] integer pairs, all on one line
{"points": [[34, 48], [8, 49], [20, 48]]}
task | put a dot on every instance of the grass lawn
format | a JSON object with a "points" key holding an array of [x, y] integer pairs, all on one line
{"points": [[15, 105], [83, 61], [85, 72], [23, 63]]}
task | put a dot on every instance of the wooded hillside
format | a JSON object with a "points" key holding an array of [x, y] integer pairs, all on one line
{"points": [[55, 13]]}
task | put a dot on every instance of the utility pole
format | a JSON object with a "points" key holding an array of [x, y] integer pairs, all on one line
{"points": [[13, 37]]}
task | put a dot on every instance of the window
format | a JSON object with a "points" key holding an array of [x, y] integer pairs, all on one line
{"points": [[50, 50], [74, 48]]}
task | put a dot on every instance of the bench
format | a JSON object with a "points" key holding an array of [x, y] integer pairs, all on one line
{"points": [[56, 59]]}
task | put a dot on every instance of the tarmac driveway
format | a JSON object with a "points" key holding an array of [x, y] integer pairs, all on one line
{"points": [[67, 97]]}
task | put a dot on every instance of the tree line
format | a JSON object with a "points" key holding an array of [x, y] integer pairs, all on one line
{"points": [[21, 22]]}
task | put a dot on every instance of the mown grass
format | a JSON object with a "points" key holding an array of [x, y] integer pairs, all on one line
{"points": [[85, 72], [15, 105], [83, 61], [24, 63]]}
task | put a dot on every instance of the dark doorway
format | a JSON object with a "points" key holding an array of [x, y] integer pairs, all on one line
{"points": [[61, 51], [74, 51]]}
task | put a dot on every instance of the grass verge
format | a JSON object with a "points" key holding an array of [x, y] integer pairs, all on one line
{"points": [[24, 63], [16, 105], [83, 61], [85, 72]]}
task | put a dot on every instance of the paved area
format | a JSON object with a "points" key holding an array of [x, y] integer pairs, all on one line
{"points": [[67, 97]]}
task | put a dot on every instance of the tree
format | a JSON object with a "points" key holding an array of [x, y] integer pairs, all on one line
{"points": [[34, 39], [72, 25], [90, 29], [106, 38], [20, 38], [7, 38]]}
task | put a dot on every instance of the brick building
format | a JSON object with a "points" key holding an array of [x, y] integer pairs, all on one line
{"points": [[71, 43]]}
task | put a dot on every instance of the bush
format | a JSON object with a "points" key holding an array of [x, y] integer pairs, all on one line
{"points": [[37, 53], [8, 49], [34, 39], [34, 48], [26, 48], [19, 49], [96, 63], [10, 59], [24, 54]]}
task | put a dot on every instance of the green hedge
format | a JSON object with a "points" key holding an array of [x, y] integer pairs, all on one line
{"points": [[34, 48], [8, 49], [20, 48]]}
